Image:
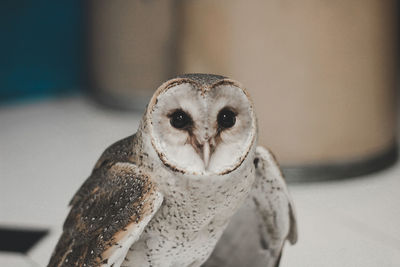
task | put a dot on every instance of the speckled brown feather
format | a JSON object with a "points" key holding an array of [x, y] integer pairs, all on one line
{"points": [[111, 220], [204, 80], [257, 232], [110, 200], [120, 151]]}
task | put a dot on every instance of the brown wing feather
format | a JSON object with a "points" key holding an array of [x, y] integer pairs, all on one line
{"points": [[115, 196], [257, 232], [120, 151]]}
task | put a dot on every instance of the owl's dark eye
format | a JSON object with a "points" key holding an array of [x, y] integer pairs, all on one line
{"points": [[226, 118], [180, 119]]}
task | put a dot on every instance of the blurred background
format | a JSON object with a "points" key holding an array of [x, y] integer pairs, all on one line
{"points": [[76, 76]]}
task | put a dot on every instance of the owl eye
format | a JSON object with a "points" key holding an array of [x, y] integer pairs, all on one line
{"points": [[226, 118], [180, 119]]}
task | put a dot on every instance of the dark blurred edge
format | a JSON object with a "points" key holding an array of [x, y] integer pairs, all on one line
{"points": [[112, 102], [20, 240], [337, 171], [41, 49]]}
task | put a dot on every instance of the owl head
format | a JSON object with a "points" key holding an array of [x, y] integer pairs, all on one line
{"points": [[201, 124]]}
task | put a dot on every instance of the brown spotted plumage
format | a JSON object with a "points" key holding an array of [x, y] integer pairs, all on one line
{"points": [[116, 196]]}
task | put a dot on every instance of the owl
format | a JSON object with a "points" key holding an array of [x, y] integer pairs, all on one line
{"points": [[190, 188]]}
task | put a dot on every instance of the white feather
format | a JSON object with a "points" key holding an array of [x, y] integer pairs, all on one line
{"points": [[132, 234]]}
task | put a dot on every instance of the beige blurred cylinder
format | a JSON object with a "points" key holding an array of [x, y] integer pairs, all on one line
{"points": [[131, 49], [321, 73]]}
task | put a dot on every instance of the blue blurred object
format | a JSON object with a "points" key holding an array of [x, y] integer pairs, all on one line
{"points": [[40, 48]]}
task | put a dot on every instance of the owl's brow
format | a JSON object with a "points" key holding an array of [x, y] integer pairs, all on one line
{"points": [[175, 83], [205, 88], [234, 110], [171, 112], [181, 81], [222, 82]]}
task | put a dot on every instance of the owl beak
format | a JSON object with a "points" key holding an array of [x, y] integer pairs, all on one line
{"points": [[203, 148], [206, 153]]}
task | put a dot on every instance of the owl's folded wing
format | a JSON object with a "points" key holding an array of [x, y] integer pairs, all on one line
{"points": [[273, 204], [256, 233], [108, 215]]}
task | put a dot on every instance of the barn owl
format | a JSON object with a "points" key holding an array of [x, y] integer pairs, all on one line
{"points": [[189, 182]]}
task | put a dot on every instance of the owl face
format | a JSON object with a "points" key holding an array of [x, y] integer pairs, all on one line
{"points": [[201, 127]]}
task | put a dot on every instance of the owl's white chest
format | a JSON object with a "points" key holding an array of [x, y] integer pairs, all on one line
{"points": [[191, 220]]}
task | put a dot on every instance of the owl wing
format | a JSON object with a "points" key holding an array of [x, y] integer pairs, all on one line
{"points": [[108, 214], [273, 205], [256, 233]]}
